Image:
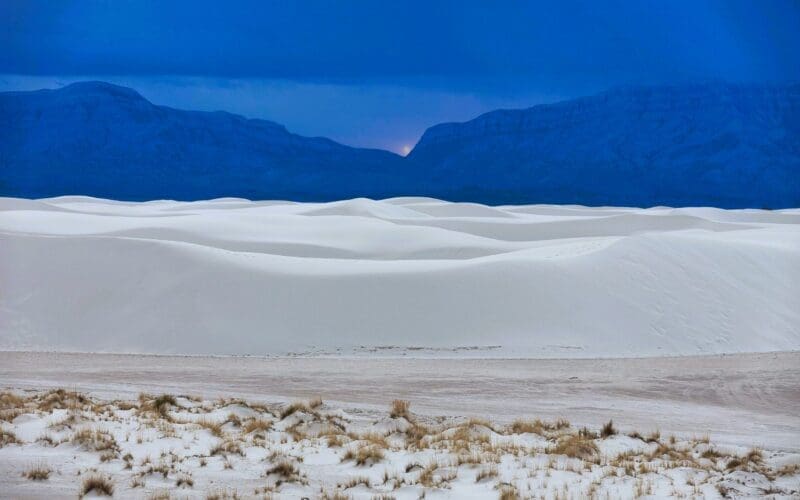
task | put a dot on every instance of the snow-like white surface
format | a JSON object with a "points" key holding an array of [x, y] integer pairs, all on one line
{"points": [[143, 453], [401, 276]]}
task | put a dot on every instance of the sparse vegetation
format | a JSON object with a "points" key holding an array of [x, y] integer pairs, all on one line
{"points": [[98, 440], [39, 472], [256, 425], [447, 447], [575, 446], [293, 408], [400, 408], [97, 484], [608, 430], [7, 437], [486, 473], [211, 426], [157, 405]]}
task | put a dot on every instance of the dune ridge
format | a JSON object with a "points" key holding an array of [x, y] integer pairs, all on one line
{"points": [[419, 275]]}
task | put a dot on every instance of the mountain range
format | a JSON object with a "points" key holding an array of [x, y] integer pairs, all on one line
{"points": [[724, 145]]}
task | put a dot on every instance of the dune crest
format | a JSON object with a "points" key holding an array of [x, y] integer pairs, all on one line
{"points": [[406, 276]]}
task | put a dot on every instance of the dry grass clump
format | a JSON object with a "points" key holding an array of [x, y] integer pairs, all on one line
{"points": [[46, 439], [212, 426], [227, 447], [474, 458], [525, 427], [418, 435], [336, 440], [575, 446], [400, 408], [7, 437], [608, 430], [184, 480], [711, 453], [159, 495], [95, 440], [374, 439], [353, 482], [426, 476], [368, 455], [285, 470], [307, 407], [653, 437], [222, 494], [336, 495], [97, 484], [676, 455], [9, 400], [464, 438], [788, 470], [293, 408], [479, 422], [537, 426], [256, 425], [365, 455], [39, 472], [11, 406], [486, 473], [753, 458], [508, 492], [61, 399], [161, 468], [157, 405], [233, 419]]}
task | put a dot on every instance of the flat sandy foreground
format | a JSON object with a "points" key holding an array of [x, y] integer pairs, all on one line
{"points": [[231, 428]]}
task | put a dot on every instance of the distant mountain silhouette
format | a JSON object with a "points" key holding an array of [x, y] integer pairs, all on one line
{"points": [[716, 144], [99, 139], [720, 145]]}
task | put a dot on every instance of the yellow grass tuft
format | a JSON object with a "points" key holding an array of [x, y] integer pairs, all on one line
{"points": [[400, 408], [575, 446], [39, 472], [97, 484]]}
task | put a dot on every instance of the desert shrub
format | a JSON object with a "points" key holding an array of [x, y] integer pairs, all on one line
{"points": [[608, 429], [159, 405], [256, 424], [226, 447], [184, 480], [222, 494], [285, 470], [9, 401], [400, 408], [486, 473], [353, 482], [574, 446], [369, 455], [211, 426], [293, 408], [95, 440], [97, 484], [61, 399], [7, 437], [39, 472], [508, 492]]}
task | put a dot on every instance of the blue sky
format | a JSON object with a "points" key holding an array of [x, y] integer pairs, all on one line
{"points": [[377, 74]]}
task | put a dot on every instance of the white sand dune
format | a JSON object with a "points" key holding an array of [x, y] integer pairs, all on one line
{"points": [[238, 277]]}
